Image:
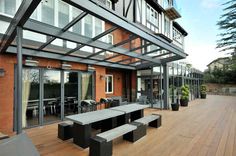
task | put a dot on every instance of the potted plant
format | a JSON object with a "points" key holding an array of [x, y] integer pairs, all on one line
{"points": [[203, 91], [184, 95], [175, 106]]}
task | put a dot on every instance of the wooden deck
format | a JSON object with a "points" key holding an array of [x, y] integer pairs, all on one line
{"points": [[205, 128]]}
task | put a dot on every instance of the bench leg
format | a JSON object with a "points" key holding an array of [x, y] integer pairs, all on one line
{"points": [[136, 115], [100, 147], [156, 123], [123, 119], [108, 124], [82, 134], [65, 131], [137, 134]]}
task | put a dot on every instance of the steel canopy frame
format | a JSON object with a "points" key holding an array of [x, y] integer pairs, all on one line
{"points": [[97, 10], [44, 54], [22, 15], [50, 30], [90, 7]]}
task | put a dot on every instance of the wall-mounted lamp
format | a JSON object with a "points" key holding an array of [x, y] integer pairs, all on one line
{"points": [[102, 77], [66, 66], [91, 68], [2, 72], [30, 62]]}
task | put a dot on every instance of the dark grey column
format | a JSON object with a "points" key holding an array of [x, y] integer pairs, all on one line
{"points": [[151, 93], [41, 96], [62, 96], [166, 86], [19, 79], [161, 76]]}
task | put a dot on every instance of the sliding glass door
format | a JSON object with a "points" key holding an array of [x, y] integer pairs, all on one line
{"points": [[30, 97], [44, 89], [52, 95], [71, 92]]}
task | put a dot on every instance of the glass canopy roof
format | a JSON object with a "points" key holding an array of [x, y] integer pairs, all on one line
{"points": [[43, 38]]}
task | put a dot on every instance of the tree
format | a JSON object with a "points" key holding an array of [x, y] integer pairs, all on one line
{"points": [[227, 24]]}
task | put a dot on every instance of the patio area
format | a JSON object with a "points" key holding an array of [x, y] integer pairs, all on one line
{"points": [[206, 127]]}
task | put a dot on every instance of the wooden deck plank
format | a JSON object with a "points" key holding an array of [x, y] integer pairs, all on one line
{"points": [[206, 127]]}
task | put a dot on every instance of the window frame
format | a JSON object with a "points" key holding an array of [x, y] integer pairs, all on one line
{"points": [[107, 84]]}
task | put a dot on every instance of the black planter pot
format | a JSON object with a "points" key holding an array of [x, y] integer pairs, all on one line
{"points": [[175, 106], [203, 96], [184, 102]]}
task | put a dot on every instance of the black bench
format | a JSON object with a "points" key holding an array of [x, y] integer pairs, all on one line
{"points": [[65, 130], [101, 144], [153, 120]]}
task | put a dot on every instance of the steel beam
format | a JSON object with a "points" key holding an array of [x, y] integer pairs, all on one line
{"points": [[50, 30], [162, 55], [19, 79], [115, 45], [131, 50], [153, 51], [170, 59], [93, 39], [48, 55], [124, 60], [68, 26], [25, 10], [97, 10]]}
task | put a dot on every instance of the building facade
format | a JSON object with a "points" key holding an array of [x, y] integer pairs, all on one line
{"points": [[54, 53]]}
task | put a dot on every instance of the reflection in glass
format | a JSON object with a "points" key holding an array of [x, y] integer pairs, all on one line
{"points": [[8, 6], [71, 93], [48, 12], [88, 30], [86, 86], [63, 14], [30, 97], [52, 95]]}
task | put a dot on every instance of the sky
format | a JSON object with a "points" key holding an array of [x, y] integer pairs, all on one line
{"points": [[199, 18]]}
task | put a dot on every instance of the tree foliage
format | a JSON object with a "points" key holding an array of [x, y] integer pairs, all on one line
{"points": [[224, 75], [227, 24]]}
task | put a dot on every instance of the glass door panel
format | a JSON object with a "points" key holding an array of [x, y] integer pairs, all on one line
{"points": [[86, 86], [71, 93], [30, 97], [52, 96]]}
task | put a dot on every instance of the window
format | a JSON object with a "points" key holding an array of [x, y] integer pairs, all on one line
{"points": [[152, 18], [167, 27], [63, 14], [8, 7], [109, 83], [48, 12], [166, 4], [98, 26], [109, 41], [109, 4], [77, 27], [88, 27], [177, 36]]}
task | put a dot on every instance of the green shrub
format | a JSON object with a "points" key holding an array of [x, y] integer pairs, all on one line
{"points": [[185, 92], [203, 89]]}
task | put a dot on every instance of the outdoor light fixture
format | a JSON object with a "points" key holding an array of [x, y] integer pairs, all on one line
{"points": [[30, 62], [102, 77], [91, 68], [2, 72], [66, 66]]}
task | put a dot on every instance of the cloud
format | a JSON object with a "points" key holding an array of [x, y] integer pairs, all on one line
{"points": [[210, 4], [200, 55]]}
